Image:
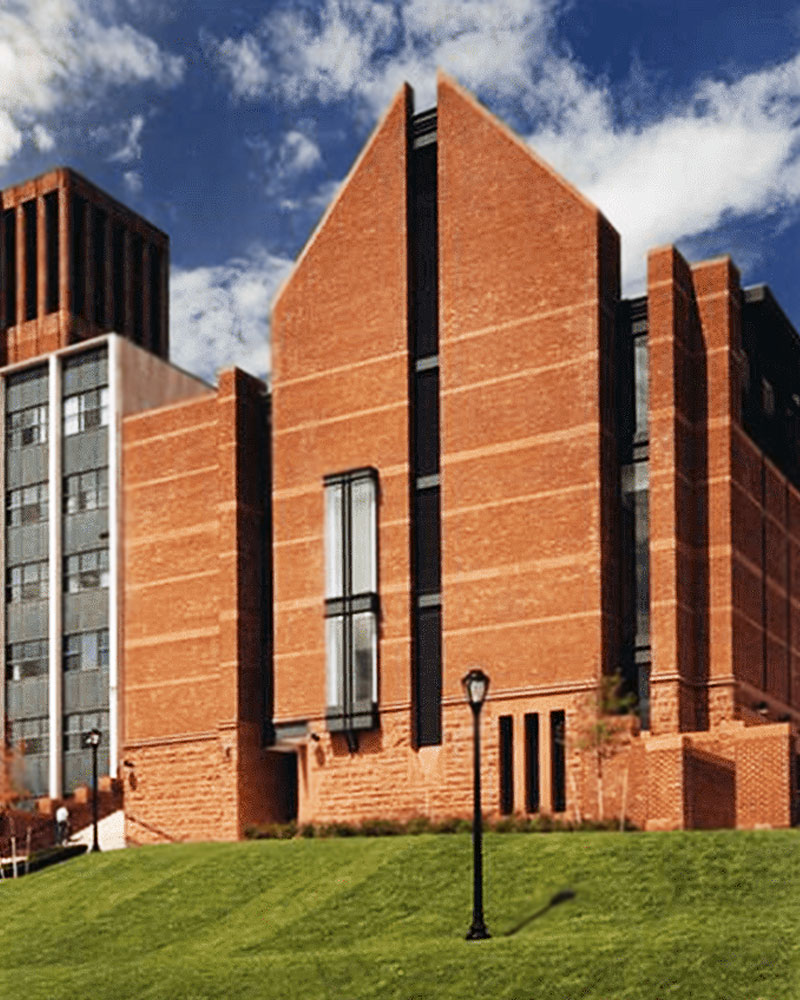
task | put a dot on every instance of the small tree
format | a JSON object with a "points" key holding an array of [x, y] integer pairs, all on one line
{"points": [[10, 789], [603, 726]]}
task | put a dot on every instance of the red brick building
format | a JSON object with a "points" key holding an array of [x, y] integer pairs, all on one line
{"points": [[482, 455], [475, 453]]}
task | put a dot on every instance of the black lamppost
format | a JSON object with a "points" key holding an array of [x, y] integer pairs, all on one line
{"points": [[476, 684], [93, 740]]}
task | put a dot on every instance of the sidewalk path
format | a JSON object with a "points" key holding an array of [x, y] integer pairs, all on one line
{"points": [[110, 833]]}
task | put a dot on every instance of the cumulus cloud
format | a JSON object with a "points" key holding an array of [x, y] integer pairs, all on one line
{"points": [[364, 49], [732, 150], [42, 139], [131, 148], [298, 153], [56, 54], [219, 314], [133, 181], [729, 150]]}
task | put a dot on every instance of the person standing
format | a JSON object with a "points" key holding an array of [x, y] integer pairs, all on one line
{"points": [[62, 824]]}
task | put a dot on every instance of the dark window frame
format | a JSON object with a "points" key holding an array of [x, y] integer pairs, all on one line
{"points": [[505, 762], [351, 713]]}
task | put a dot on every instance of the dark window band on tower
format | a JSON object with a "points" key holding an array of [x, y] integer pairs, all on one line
{"points": [[137, 250], [51, 229], [155, 297], [31, 259], [425, 500], [78, 254], [118, 276], [9, 267], [99, 254]]}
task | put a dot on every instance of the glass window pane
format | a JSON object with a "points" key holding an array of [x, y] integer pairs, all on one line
{"points": [[365, 657], [641, 381], [428, 536], [334, 672], [362, 494], [334, 584]]}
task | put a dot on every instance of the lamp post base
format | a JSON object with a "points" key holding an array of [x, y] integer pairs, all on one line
{"points": [[477, 931]]}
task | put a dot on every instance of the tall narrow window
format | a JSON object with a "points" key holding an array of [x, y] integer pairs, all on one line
{"points": [[351, 599], [532, 762], [137, 294], [558, 761], [99, 264], [78, 255], [155, 298], [10, 266], [51, 237], [31, 259], [506, 764], [118, 275], [423, 342]]}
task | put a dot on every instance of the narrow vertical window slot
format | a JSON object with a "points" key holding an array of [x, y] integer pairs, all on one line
{"points": [[118, 276], [99, 255], [51, 229], [31, 259], [558, 758], [155, 298], [137, 250], [506, 764], [10, 266], [78, 254], [532, 792], [423, 338]]}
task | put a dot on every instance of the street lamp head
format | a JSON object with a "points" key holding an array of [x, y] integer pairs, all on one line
{"points": [[92, 738], [475, 684]]}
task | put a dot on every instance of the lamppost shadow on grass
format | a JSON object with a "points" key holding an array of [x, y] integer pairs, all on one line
{"points": [[562, 896]]}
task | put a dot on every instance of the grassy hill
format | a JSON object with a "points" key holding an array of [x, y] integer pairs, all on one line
{"points": [[684, 915]]}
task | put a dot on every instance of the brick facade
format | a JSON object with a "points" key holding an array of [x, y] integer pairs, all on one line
{"points": [[528, 293], [195, 646], [223, 698]]}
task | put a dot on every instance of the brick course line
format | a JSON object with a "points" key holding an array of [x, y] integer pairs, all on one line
{"points": [[162, 435], [167, 580], [350, 415], [522, 622], [586, 304], [155, 640], [136, 540], [518, 444], [141, 484], [338, 369], [524, 373], [172, 682]]}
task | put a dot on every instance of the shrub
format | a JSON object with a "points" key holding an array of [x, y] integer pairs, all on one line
{"points": [[381, 828]]}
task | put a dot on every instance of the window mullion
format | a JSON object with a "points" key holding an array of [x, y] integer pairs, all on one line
{"points": [[347, 581]]}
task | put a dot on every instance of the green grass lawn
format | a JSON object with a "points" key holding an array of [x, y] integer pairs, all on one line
{"points": [[685, 915]]}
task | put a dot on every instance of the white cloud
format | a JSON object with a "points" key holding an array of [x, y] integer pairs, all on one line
{"points": [[731, 151], [131, 148], [219, 314], [133, 181], [57, 54], [364, 49], [42, 139], [314, 201], [298, 153], [243, 61]]}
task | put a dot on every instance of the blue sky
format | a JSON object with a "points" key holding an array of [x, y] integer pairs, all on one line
{"points": [[230, 125]]}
